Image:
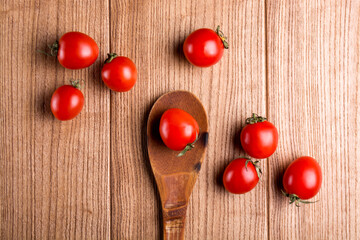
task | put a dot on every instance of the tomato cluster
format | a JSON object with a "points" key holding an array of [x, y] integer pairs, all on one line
{"points": [[259, 139], [178, 129], [76, 50]]}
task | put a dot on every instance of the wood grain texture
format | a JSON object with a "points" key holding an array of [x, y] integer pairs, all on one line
{"points": [[298, 62], [54, 175], [313, 78], [151, 33]]}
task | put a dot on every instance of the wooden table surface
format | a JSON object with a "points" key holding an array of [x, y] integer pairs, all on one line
{"points": [[296, 62]]}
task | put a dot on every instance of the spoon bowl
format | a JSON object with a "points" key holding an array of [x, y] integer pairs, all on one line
{"points": [[175, 176]]}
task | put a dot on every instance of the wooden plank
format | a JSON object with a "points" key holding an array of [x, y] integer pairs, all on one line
{"points": [[54, 175], [151, 33], [313, 78]]}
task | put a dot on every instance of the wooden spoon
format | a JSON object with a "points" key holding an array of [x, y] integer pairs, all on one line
{"points": [[175, 176]]}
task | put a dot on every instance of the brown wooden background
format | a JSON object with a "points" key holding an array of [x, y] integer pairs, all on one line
{"points": [[297, 62]]}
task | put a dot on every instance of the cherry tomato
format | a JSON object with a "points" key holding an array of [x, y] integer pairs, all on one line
{"points": [[302, 179], [178, 129], [119, 73], [67, 102], [205, 47], [259, 138], [75, 50], [241, 176]]}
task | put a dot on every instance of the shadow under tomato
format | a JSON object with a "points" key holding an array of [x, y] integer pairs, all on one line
{"points": [[219, 175], [278, 176], [275, 182], [43, 104], [178, 51], [236, 140], [45, 60], [95, 75], [50, 65]]}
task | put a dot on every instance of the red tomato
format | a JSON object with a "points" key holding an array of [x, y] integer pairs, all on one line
{"points": [[77, 50], [240, 177], [119, 73], [302, 179], [259, 138], [67, 102], [205, 47], [74, 50], [178, 129]]}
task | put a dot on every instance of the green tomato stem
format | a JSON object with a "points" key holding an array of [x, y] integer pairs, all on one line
{"points": [[111, 57], [222, 37]]}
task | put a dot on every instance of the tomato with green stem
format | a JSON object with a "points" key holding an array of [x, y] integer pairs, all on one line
{"points": [[178, 130], [259, 138], [119, 73], [67, 101], [74, 50], [205, 47], [302, 180], [241, 175]]}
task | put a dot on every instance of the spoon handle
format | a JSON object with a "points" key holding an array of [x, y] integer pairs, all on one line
{"points": [[174, 223]]}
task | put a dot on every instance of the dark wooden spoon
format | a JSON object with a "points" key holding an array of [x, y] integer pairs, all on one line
{"points": [[175, 176]]}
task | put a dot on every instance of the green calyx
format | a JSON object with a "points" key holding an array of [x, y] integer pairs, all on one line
{"points": [[53, 49], [256, 165], [111, 56], [76, 83], [189, 146], [222, 37], [255, 119], [293, 198]]}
